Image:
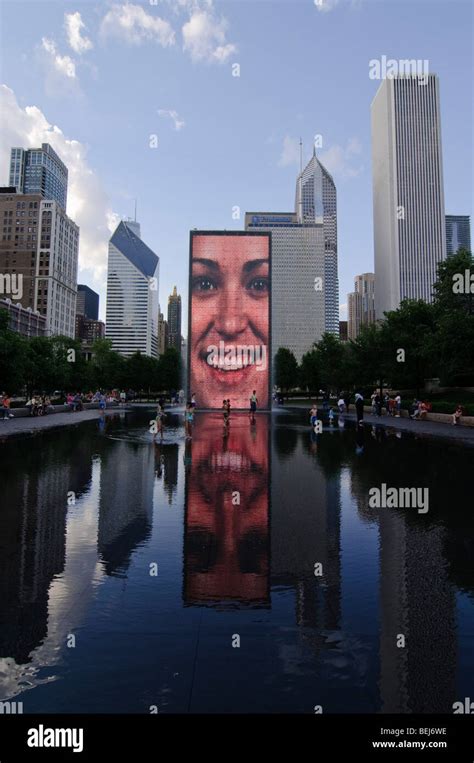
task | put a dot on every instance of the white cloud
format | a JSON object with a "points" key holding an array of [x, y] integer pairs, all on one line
{"points": [[172, 114], [134, 25], [343, 312], [340, 161], [325, 5], [290, 153], [87, 204], [204, 36], [74, 26], [62, 64]]}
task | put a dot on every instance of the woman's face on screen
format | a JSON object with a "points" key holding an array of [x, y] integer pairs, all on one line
{"points": [[230, 283]]}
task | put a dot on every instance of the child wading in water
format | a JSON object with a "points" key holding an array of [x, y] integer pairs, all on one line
{"points": [[188, 419], [160, 424]]}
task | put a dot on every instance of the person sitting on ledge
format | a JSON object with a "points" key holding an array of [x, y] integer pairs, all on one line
{"points": [[457, 415]]}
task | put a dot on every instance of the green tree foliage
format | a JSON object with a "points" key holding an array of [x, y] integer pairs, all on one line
{"points": [[286, 369], [47, 364], [310, 374]]}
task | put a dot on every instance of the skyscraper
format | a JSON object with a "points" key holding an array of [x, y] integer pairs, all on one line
{"points": [[41, 171], [297, 270], [132, 293], [39, 247], [408, 195], [162, 333], [316, 203], [174, 320], [458, 233], [87, 303], [361, 304]]}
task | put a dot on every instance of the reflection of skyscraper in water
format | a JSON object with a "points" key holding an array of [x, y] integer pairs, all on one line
{"points": [[306, 531], [226, 544], [167, 468], [416, 600], [126, 504], [32, 543]]}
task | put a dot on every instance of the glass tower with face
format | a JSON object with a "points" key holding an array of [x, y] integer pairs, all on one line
{"points": [[229, 331]]}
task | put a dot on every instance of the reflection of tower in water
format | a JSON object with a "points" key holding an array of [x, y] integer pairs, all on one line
{"points": [[417, 600], [305, 532], [126, 504], [227, 505], [33, 540], [416, 597]]}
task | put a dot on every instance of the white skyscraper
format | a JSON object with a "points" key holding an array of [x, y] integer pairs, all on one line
{"points": [[316, 203], [408, 194], [56, 269], [297, 271], [132, 293]]}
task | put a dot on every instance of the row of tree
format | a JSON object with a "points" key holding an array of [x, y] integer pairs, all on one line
{"points": [[49, 364], [415, 342]]}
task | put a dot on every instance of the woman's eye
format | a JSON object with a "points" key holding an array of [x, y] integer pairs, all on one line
{"points": [[204, 284], [258, 284]]}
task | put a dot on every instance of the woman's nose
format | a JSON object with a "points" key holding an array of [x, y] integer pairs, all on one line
{"points": [[230, 320]]}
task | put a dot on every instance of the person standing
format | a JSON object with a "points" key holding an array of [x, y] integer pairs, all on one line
{"points": [[398, 405], [253, 402], [359, 404]]}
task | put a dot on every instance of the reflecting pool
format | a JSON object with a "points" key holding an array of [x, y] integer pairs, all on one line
{"points": [[239, 570]]}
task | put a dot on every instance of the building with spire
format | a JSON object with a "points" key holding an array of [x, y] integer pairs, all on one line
{"points": [[174, 320], [132, 292], [316, 203]]}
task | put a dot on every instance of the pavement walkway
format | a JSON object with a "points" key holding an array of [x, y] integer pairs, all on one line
{"points": [[28, 425], [463, 435]]}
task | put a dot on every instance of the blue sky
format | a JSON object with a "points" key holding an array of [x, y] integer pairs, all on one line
{"points": [[97, 79]]}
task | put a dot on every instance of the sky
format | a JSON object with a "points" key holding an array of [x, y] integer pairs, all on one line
{"points": [[141, 101]]}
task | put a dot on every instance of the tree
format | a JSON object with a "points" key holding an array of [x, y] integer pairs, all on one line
{"points": [[330, 359], [13, 349], [449, 290], [108, 367], [310, 372], [367, 357], [408, 349], [170, 369], [286, 369]]}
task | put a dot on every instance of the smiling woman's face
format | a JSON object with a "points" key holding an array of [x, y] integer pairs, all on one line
{"points": [[230, 321]]}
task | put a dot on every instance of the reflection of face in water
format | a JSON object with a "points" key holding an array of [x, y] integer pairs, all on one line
{"points": [[226, 540], [230, 283]]}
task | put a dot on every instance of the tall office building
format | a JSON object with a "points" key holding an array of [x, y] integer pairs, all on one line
{"points": [[458, 233], [316, 203], [41, 171], [132, 293], [408, 195], [361, 304], [87, 303], [162, 333], [40, 243], [174, 320], [298, 261]]}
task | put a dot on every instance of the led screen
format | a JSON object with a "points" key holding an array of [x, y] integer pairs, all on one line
{"points": [[229, 319]]}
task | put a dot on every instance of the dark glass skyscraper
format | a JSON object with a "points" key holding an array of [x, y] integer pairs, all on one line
{"points": [[458, 233], [41, 171], [87, 303]]}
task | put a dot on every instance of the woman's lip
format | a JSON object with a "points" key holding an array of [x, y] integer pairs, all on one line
{"points": [[231, 377]]}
